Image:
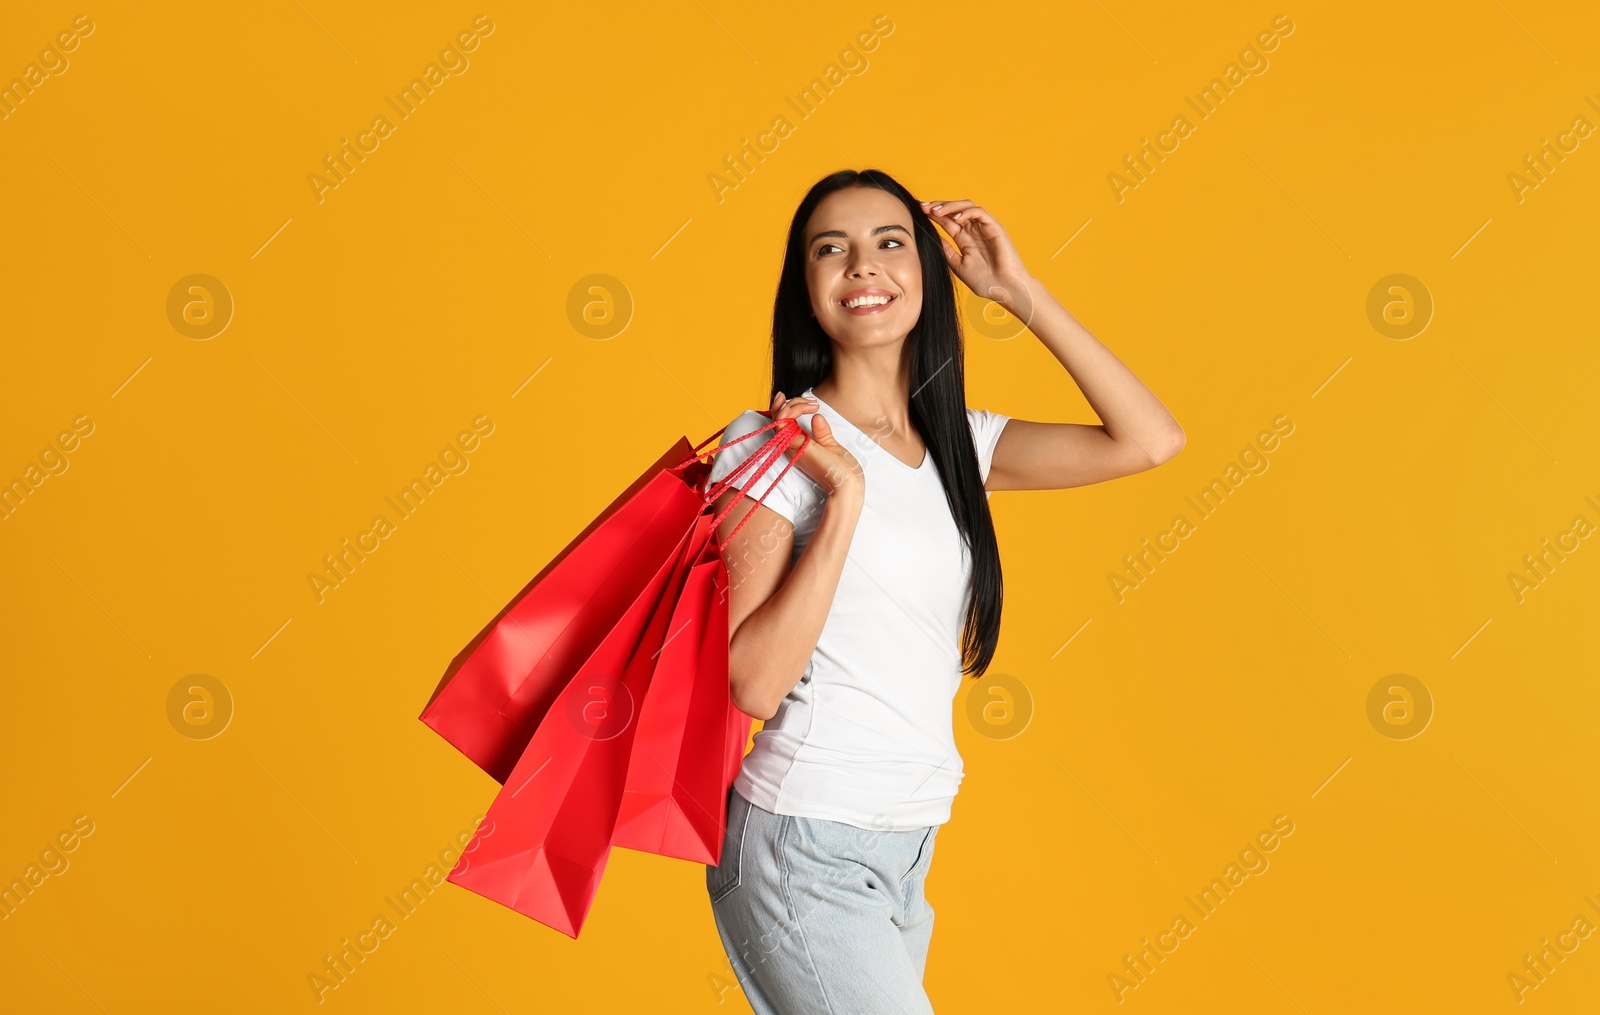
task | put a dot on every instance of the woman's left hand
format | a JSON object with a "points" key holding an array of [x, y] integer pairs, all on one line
{"points": [[982, 256]]}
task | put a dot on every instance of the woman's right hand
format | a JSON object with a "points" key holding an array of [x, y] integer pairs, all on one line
{"points": [[825, 460]]}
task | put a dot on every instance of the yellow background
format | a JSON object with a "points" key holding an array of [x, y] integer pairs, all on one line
{"points": [[371, 327]]}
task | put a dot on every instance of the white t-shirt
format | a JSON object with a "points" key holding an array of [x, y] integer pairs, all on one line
{"points": [[866, 736]]}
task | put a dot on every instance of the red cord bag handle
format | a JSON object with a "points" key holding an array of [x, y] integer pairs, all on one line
{"points": [[784, 433]]}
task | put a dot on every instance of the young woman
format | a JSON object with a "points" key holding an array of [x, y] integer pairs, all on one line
{"points": [[868, 581]]}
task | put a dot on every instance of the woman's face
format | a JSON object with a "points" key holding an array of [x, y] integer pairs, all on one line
{"points": [[859, 244]]}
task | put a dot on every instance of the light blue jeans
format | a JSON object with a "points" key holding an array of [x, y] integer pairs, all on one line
{"points": [[821, 916]]}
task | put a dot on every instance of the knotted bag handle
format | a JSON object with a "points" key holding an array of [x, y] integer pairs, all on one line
{"points": [[784, 433]]}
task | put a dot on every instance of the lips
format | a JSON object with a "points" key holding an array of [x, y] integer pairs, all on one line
{"points": [[879, 300]]}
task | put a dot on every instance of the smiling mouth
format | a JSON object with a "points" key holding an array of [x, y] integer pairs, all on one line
{"points": [[867, 302]]}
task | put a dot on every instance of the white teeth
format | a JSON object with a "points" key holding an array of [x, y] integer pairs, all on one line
{"points": [[867, 301]]}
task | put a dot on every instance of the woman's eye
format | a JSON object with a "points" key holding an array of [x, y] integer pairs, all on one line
{"points": [[827, 246]]}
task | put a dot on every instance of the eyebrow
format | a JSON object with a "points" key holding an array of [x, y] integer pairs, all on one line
{"points": [[841, 234]]}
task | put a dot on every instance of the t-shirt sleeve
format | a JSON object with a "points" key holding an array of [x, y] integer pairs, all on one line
{"points": [[795, 497], [986, 428]]}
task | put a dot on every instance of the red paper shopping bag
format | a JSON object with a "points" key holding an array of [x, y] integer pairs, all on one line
{"points": [[500, 686], [676, 799], [691, 738], [552, 820]]}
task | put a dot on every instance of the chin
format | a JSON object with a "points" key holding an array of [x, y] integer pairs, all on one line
{"points": [[854, 335]]}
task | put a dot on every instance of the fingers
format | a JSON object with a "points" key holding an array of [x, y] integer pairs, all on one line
{"points": [[822, 431], [791, 407], [953, 215], [956, 210]]}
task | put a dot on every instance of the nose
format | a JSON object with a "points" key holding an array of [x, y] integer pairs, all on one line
{"points": [[863, 264]]}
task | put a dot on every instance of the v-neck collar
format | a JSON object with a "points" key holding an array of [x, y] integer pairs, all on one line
{"points": [[836, 415]]}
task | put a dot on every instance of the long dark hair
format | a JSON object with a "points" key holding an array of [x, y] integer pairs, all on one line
{"points": [[802, 356]]}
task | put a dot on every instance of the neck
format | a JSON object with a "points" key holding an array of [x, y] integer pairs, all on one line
{"points": [[871, 385]]}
